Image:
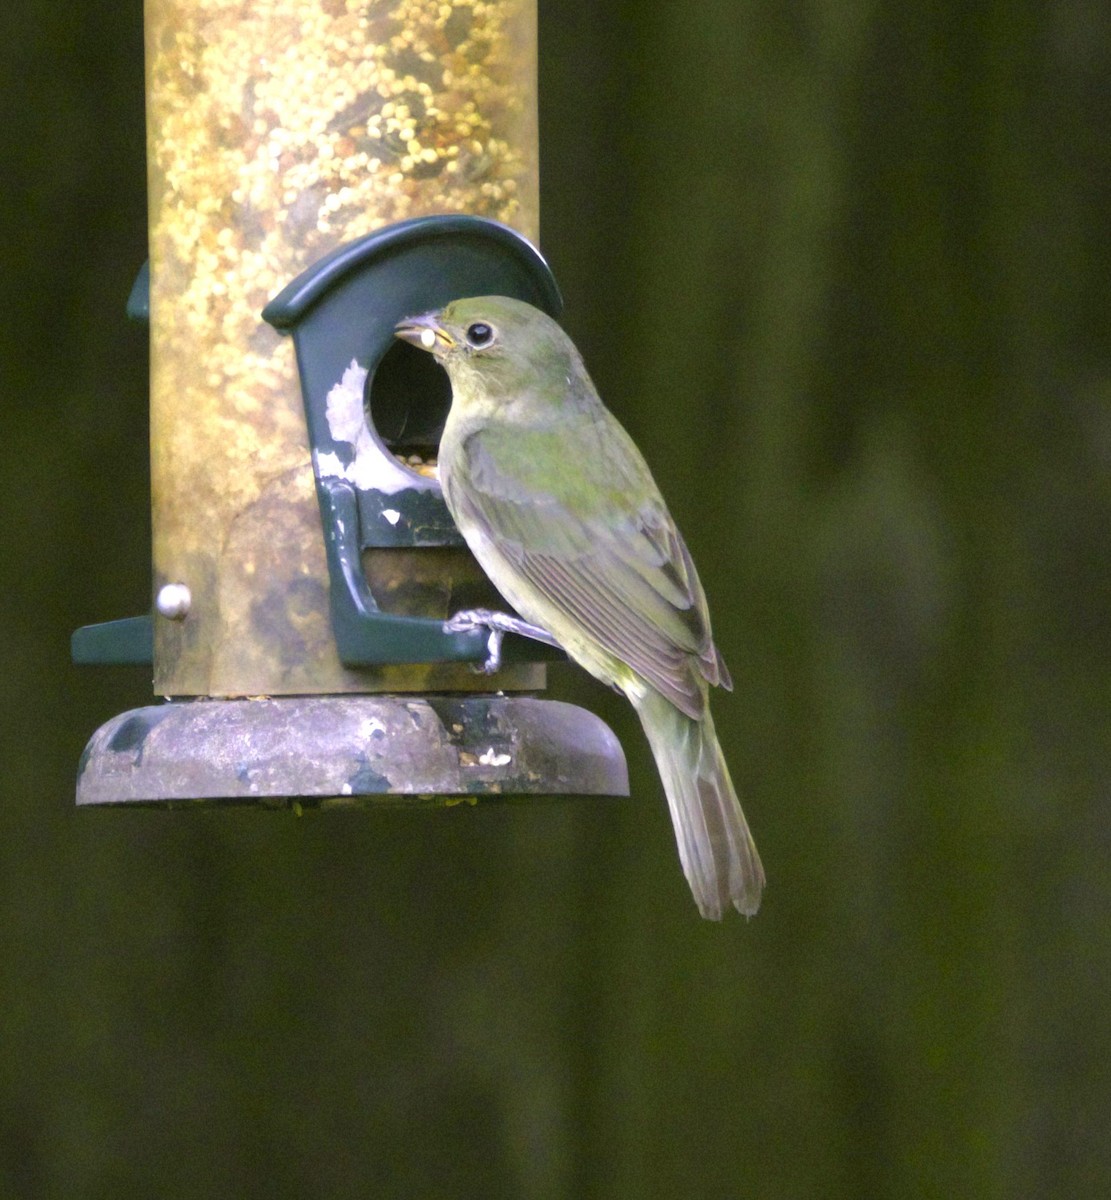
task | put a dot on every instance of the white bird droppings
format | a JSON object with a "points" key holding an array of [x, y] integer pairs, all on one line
{"points": [[489, 759]]}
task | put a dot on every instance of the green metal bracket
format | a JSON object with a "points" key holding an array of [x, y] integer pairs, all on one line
{"points": [[128, 641], [138, 302], [342, 313]]}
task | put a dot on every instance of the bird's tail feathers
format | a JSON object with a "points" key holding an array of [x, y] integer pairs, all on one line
{"points": [[716, 849]]}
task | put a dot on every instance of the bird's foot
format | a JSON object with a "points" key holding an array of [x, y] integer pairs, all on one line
{"points": [[499, 624]]}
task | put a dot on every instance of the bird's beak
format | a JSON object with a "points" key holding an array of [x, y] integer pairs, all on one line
{"points": [[424, 331]]}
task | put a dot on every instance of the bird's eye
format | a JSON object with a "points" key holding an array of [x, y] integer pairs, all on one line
{"points": [[479, 334]]}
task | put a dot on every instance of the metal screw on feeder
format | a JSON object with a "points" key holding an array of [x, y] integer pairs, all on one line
{"points": [[302, 160], [173, 601]]}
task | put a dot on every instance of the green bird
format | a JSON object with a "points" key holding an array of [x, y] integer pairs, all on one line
{"points": [[560, 509]]}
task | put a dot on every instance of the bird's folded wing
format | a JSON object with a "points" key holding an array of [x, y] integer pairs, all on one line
{"points": [[580, 518]]}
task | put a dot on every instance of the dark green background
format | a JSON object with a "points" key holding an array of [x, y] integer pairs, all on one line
{"points": [[842, 268]]}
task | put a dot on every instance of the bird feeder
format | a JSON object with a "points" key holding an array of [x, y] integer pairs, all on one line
{"points": [[322, 169]]}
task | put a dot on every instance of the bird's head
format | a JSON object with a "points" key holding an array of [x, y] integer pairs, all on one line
{"points": [[493, 342]]}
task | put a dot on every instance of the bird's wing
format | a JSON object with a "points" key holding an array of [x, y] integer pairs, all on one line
{"points": [[597, 541]]}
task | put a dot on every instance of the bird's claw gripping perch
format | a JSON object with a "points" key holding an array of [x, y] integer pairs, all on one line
{"points": [[499, 624]]}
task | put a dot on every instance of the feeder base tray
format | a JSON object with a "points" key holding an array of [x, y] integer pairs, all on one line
{"points": [[349, 751]]}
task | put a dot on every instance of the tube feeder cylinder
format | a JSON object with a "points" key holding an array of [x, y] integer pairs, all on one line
{"points": [[276, 134]]}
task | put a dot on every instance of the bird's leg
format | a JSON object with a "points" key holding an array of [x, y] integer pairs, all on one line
{"points": [[499, 624]]}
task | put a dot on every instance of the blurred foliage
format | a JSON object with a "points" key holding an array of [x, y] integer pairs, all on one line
{"points": [[841, 267]]}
